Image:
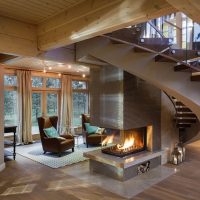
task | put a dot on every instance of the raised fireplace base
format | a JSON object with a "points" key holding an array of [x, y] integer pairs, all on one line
{"points": [[123, 169]]}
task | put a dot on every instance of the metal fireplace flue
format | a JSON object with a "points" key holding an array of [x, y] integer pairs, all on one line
{"points": [[129, 142]]}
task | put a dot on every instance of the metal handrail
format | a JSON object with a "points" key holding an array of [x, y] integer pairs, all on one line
{"points": [[176, 112], [151, 51]]}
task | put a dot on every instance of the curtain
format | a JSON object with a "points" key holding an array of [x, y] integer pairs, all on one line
{"points": [[66, 104], [24, 91]]}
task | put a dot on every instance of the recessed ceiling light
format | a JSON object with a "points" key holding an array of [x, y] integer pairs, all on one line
{"points": [[83, 75], [77, 71], [50, 68], [69, 66], [59, 74], [60, 64], [44, 70]]}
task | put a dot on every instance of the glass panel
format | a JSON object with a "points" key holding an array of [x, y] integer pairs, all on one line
{"points": [[79, 84], [53, 83], [80, 106], [10, 107], [37, 82], [196, 37], [10, 80], [52, 104], [36, 111]]}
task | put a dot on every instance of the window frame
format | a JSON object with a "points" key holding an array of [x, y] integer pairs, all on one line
{"points": [[9, 87], [44, 91], [86, 91]]}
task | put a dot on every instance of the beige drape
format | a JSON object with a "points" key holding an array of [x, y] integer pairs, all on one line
{"points": [[24, 90], [66, 104]]}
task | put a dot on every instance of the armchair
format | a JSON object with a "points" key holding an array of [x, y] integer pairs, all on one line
{"points": [[90, 139], [55, 145]]}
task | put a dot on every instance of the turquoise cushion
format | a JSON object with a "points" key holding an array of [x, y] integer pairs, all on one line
{"points": [[51, 132], [91, 129]]}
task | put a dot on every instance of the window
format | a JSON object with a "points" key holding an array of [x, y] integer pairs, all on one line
{"points": [[37, 82], [45, 98], [10, 100], [80, 100], [36, 110], [10, 107], [52, 104], [53, 83], [80, 106], [10, 80], [79, 84]]}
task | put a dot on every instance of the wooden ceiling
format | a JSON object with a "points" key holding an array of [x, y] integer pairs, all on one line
{"points": [[31, 27], [34, 11], [190, 7], [39, 64]]}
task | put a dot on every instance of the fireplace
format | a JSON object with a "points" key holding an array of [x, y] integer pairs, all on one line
{"points": [[129, 142]]}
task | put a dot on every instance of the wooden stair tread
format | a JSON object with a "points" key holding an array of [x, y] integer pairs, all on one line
{"points": [[182, 67], [160, 58], [195, 77]]}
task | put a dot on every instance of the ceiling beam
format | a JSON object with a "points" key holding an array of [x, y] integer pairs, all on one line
{"points": [[17, 38], [88, 20], [190, 7], [76, 12]]}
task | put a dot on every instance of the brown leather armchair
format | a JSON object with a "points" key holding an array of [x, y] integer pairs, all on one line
{"points": [[90, 139], [54, 145]]}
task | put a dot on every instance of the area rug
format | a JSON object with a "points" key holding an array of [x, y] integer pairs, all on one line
{"points": [[35, 153]]}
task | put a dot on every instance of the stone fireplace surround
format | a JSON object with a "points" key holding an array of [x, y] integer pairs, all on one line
{"points": [[127, 167], [124, 101]]}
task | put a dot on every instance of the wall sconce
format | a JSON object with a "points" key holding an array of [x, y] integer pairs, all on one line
{"points": [[198, 53], [170, 40], [142, 40], [173, 51]]}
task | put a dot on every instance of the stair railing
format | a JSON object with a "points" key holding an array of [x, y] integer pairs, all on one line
{"points": [[151, 51], [174, 105]]}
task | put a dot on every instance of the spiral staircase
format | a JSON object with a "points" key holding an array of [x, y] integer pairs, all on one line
{"points": [[156, 61]]}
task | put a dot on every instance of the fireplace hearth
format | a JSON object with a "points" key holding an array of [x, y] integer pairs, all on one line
{"points": [[131, 141], [119, 157]]}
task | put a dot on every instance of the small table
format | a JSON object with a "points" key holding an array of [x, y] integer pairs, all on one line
{"points": [[12, 129], [76, 136]]}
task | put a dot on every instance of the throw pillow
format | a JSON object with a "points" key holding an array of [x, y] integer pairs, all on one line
{"points": [[91, 129], [100, 131], [51, 132]]}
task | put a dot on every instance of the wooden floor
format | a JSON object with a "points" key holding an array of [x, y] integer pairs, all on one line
{"points": [[24, 179]]}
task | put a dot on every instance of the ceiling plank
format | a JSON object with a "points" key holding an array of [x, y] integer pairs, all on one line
{"points": [[78, 11], [190, 7], [108, 19], [17, 38]]}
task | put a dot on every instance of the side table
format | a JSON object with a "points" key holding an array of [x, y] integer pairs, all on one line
{"points": [[76, 136]]}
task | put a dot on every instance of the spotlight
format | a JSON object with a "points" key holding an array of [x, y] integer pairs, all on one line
{"points": [[142, 40], [173, 51], [83, 75], [59, 74]]}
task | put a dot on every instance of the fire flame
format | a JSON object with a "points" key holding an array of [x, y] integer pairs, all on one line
{"points": [[107, 140], [129, 142]]}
